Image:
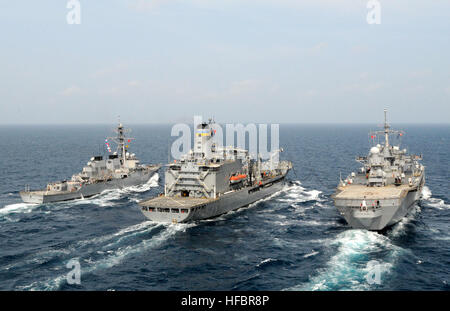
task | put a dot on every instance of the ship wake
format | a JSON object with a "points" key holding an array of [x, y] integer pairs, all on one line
{"points": [[110, 197], [107, 198], [400, 228], [152, 183], [111, 250], [352, 266], [437, 203], [17, 208], [296, 193]]}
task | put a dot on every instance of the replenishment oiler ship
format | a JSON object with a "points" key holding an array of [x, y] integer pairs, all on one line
{"points": [[118, 170], [209, 181], [386, 187]]}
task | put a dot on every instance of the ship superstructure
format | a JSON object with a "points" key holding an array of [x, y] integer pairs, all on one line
{"points": [[386, 186], [210, 180], [117, 170]]}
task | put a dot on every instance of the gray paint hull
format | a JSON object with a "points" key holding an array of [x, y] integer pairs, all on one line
{"points": [[88, 190], [225, 203], [390, 212]]}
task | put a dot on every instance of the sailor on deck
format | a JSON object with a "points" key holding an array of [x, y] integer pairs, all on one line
{"points": [[364, 205]]}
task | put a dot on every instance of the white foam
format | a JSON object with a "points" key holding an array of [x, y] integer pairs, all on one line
{"points": [[122, 236], [146, 226], [17, 208], [433, 202], [315, 223], [324, 206], [296, 193], [53, 284], [152, 183], [399, 228], [266, 261], [107, 197], [10, 219], [313, 253], [137, 227], [284, 221], [348, 268], [281, 223], [437, 203], [313, 194], [426, 193]]}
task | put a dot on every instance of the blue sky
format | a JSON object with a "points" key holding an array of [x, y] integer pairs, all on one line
{"points": [[239, 61]]}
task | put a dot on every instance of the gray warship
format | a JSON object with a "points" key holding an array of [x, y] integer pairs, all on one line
{"points": [[120, 169], [209, 181], [385, 188]]}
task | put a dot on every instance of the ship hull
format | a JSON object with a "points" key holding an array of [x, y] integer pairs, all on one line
{"points": [[213, 207], [88, 190], [392, 210]]}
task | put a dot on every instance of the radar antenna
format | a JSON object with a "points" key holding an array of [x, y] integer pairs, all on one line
{"points": [[120, 140], [386, 132]]}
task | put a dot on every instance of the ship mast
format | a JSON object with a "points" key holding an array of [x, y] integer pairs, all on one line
{"points": [[386, 129], [386, 132], [120, 141]]}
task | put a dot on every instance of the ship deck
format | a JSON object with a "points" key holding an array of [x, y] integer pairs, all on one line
{"points": [[361, 191], [175, 202], [45, 192]]}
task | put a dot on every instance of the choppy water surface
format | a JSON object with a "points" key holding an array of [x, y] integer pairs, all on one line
{"points": [[294, 240]]}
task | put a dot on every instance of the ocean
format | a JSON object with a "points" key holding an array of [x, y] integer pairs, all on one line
{"points": [[293, 240]]}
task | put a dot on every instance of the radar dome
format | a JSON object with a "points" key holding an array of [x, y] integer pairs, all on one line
{"points": [[374, 150]]}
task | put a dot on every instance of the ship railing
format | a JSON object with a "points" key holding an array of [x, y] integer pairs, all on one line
{"points": [[361, 159]]}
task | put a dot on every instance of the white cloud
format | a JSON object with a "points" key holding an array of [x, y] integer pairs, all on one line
{"points": [[447, 90], [244, 86], [71, 90], [134, 83], [110, 91], [318, 48]]}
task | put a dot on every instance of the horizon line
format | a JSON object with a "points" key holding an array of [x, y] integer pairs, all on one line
{"points": [[172, 123]]}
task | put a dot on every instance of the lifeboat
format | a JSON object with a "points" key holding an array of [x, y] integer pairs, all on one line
{"points": [[237, 178]]}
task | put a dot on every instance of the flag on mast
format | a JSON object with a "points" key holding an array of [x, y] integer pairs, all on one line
{"points": [[107, 145]]}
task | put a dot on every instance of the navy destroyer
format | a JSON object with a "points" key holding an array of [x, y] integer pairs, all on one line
{"points": [[385, 188], [120, 169], [209, 181]]}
